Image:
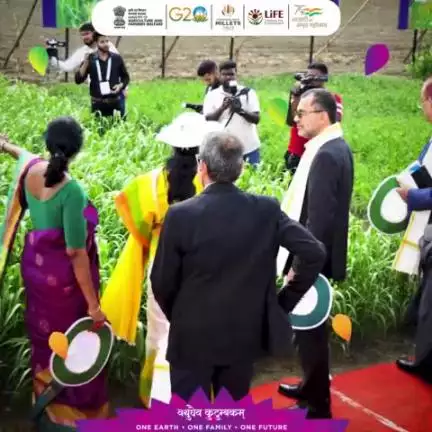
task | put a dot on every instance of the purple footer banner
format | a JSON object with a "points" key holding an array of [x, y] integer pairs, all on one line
{"points": [[200, 415]]}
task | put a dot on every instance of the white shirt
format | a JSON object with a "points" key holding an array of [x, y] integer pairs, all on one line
{"points": [[246, 132], [75, 60]]}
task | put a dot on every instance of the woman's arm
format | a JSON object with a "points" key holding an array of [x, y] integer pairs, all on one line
{"points": [[75, 230], [81, 266], [11, 149]]}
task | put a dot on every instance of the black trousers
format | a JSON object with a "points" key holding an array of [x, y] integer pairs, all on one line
{"points": [[314, 351], [105, 109], [235, 379]]}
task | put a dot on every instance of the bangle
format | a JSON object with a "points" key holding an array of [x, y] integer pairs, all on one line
{"points": [[96, 310]]}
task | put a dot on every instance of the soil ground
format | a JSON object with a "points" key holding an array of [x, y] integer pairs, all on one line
{"points": [[376, 23]]}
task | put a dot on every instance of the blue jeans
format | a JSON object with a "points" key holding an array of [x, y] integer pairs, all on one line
{"points": [[253, 157]]}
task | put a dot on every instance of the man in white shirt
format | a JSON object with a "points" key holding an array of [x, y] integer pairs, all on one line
{"points": [[73, 63], [237, 107]]}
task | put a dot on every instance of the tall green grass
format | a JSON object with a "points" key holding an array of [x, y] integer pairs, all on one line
{"points": [[382, 123]]}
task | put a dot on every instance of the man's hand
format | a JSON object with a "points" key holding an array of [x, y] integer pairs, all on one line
{"points": [[403, 193], [117, 88], [226, 103], [289, 277]]}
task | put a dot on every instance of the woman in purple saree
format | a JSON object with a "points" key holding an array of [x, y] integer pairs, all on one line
{"points": [[60, 269]]}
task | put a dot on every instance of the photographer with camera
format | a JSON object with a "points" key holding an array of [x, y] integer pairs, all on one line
{"points": [[315, 77], [73, 63], [237, 108], [208, 72]]}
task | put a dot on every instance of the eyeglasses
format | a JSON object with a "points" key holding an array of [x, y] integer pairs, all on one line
{"points": [[301, 113]]}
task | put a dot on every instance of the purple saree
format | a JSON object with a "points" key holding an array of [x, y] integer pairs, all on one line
{"points": [[54, 301]]}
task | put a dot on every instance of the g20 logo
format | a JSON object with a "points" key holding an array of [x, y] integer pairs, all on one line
{"points": [[198, 14]]}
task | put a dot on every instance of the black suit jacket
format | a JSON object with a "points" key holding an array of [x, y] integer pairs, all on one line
{"points": [[327, 203], [214, 277]]}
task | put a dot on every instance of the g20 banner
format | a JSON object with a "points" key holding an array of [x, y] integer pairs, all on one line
{"points": [[275, 18], [145, 18]]}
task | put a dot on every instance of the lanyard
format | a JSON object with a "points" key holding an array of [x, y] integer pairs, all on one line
{"points": [[108, 72]]}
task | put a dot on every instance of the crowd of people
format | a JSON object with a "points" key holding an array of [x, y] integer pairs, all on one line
{"points": [[208, 249]]}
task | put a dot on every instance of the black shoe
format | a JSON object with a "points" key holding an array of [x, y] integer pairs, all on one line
{"points": [[318, 414], [291, 391], [412, 368], [407, 366]]}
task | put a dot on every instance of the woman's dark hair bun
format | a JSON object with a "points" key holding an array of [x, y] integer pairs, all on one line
{"points": [[182, 168], [64, 139]]}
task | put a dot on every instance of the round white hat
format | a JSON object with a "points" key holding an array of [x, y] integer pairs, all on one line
{"points": [[188, 130]]}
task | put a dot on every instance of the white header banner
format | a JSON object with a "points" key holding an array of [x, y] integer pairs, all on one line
{"points": [[269, 18]]}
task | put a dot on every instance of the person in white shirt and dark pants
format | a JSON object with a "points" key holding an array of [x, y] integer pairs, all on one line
{"points": [[238, 108]]}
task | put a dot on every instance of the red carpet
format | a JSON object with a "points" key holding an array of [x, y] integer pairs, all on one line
{"points": [[379, 398]]}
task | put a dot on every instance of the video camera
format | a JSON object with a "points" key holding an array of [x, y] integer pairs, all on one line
{"points": [[306, 82], [53, 45], [231, 88], [196, 107]]}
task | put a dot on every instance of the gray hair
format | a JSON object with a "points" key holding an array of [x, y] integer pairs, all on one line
{"points": [[324, 100], [223, 155]]}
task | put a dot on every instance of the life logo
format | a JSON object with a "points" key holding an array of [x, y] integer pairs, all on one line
{"points": [[268, 16], [198, 14]]}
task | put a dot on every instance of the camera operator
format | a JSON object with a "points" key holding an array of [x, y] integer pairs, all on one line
{"points": [[208, 72], [315, 77], [73, 63], [237, 107]]}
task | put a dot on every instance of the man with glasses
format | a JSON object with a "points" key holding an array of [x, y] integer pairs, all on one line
{"points": [[321, 191], [419, 313], [296, 146]]}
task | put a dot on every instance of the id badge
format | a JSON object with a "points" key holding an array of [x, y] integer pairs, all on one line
{"points": [[105, 88]]}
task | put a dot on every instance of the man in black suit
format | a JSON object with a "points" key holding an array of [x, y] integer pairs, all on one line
{"points": [[214, 277], [325, 213]]}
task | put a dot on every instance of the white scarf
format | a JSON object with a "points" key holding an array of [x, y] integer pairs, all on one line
{"points": [[292, 203]]}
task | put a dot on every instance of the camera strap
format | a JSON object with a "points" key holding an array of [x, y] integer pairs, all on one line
{"points": [[243, 91]]}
